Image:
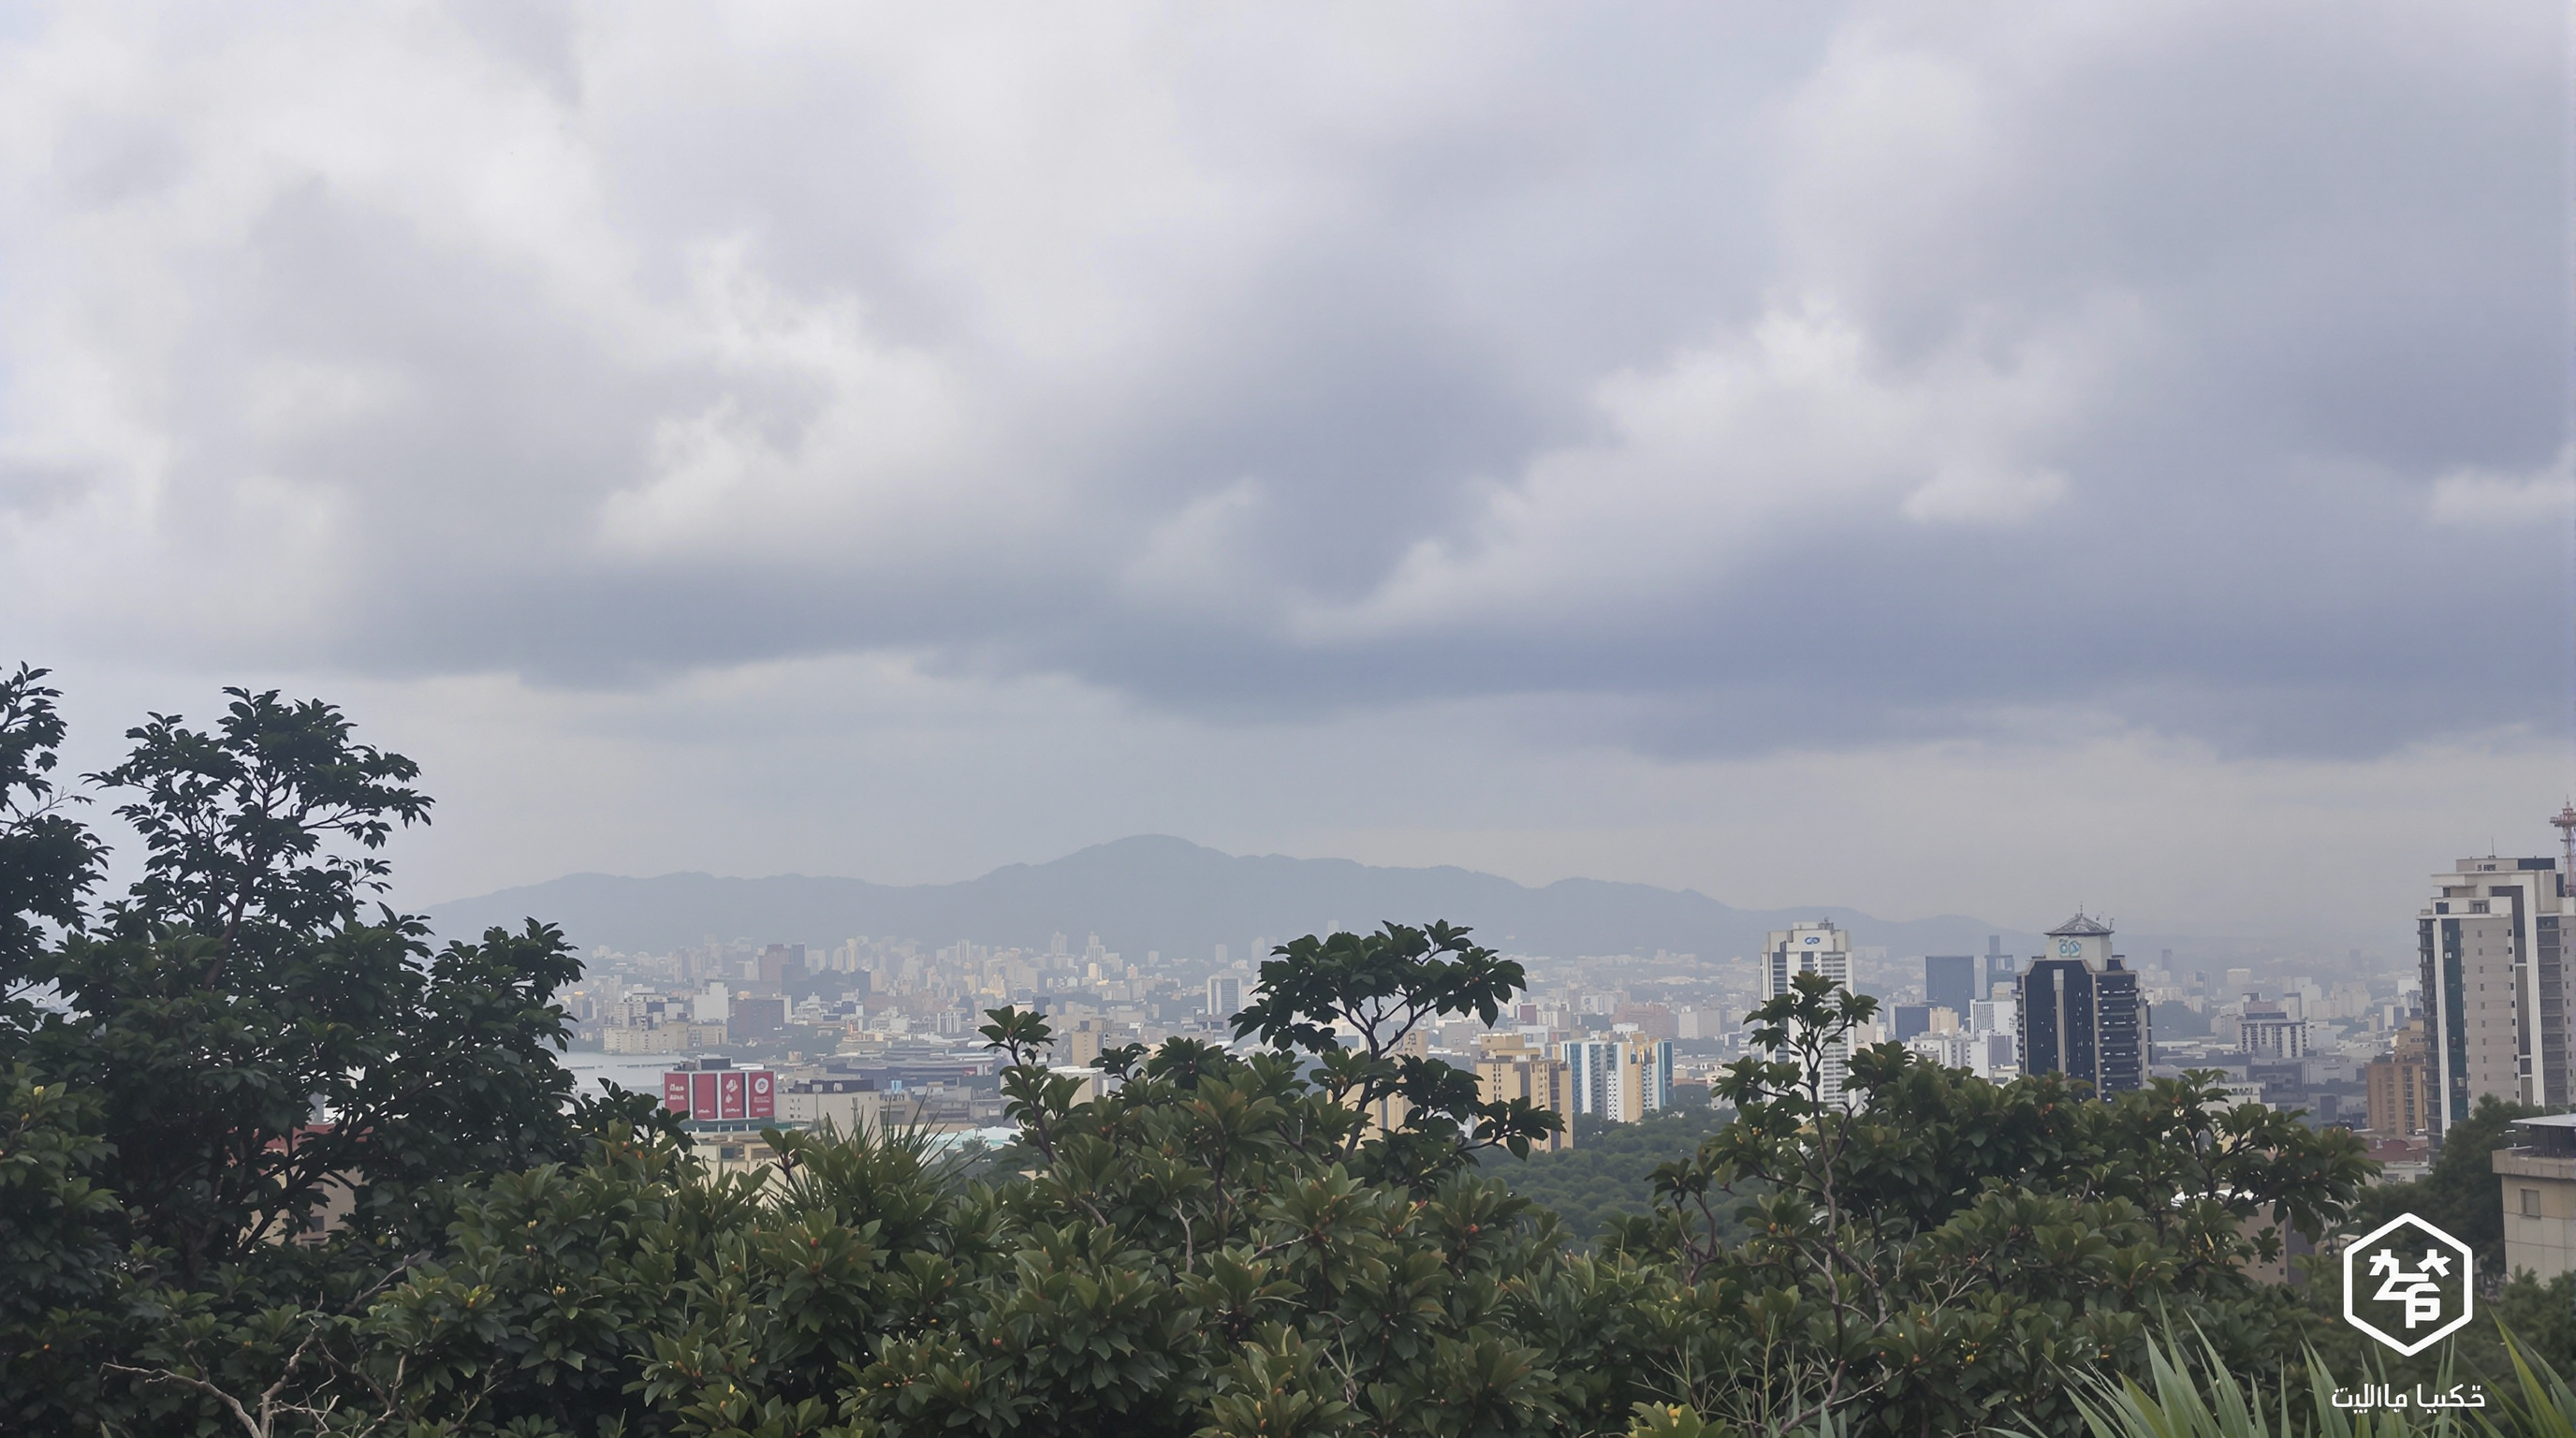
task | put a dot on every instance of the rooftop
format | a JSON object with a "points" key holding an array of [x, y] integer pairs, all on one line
{"points": [[2081, 927]]}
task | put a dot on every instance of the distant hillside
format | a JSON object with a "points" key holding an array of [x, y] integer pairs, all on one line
{"points": [[1170, 895]]}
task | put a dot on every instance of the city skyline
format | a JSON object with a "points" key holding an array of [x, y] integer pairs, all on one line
{"points": [[2325, 950]]}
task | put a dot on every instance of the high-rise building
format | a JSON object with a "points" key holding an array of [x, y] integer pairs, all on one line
{"points": [[2493, 963], [780, 965], [2398, 1089], [1620, 1080], [1910, 1020], [1812, 948], [756, 1016], [1653, 1060], [1508, 1066], [1951, 981], [1224, 996], [1816, 948], [2081, 1012], [1592, 1079]]}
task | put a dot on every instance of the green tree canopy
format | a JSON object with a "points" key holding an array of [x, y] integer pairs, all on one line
{"points": [[2462, 1195], [208, 1062], [1303, 1237]]}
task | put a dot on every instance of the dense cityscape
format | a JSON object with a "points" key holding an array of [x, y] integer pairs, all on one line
{"points": [[232, 1096], [883, 1029]]}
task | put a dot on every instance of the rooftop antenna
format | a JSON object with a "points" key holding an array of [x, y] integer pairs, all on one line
{"points": [[2565, 824]]}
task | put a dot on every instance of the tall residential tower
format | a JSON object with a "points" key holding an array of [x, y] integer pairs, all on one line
{"points": [[2490, 944]]}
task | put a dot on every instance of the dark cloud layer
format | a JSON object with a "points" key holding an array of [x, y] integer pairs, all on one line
{"points": [[1862, 373]]}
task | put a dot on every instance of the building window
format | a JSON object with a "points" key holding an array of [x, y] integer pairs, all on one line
{"points": [[2531, 1203]]}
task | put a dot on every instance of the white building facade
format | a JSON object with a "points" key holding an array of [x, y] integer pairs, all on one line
{"points": [[1812, 948], [2493, 961]]}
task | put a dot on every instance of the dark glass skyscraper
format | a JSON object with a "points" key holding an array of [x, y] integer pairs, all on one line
{"points": [[1950, 982], [2081, 1012]]}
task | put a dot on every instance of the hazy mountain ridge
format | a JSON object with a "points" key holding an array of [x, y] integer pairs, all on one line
{"points": [[1154, 892]]}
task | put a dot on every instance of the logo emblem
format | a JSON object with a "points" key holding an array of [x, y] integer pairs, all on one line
{"points": [[2407, 1284]]}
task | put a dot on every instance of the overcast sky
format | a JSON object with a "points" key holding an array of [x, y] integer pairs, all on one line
{"points": [[1934, 458]]}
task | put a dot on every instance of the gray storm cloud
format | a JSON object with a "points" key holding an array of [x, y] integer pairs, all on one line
{"points": [[2199, 367]]}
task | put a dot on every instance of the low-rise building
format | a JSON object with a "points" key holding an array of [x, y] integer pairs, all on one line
{"points": [[2539, 1183], [661, 1038], [733, 1149], [844, 1105]]}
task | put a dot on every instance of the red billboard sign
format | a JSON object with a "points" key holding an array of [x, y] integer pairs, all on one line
{"points": [[721, 1093]]}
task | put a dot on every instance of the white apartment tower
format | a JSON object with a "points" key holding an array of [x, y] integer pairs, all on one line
{"points": [[2490, 944], [1224, 996], [1814, 948]]}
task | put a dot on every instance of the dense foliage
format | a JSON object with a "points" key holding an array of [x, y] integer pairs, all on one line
{"points": [[196, 1072], [2462, 1195], [1305, 1235], [2188, 1393], [1609, 1174]]}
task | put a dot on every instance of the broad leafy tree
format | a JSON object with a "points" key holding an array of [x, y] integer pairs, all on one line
{"points": [[1359, 1004], [48, 860], [235, 821], [207, 1067], [1942, 1253]]}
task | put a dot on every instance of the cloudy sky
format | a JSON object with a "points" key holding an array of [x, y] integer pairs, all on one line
{"points": [[1940, 457]]}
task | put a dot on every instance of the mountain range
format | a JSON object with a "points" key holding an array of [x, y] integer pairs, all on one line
{"points": [[1154, 892]]}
